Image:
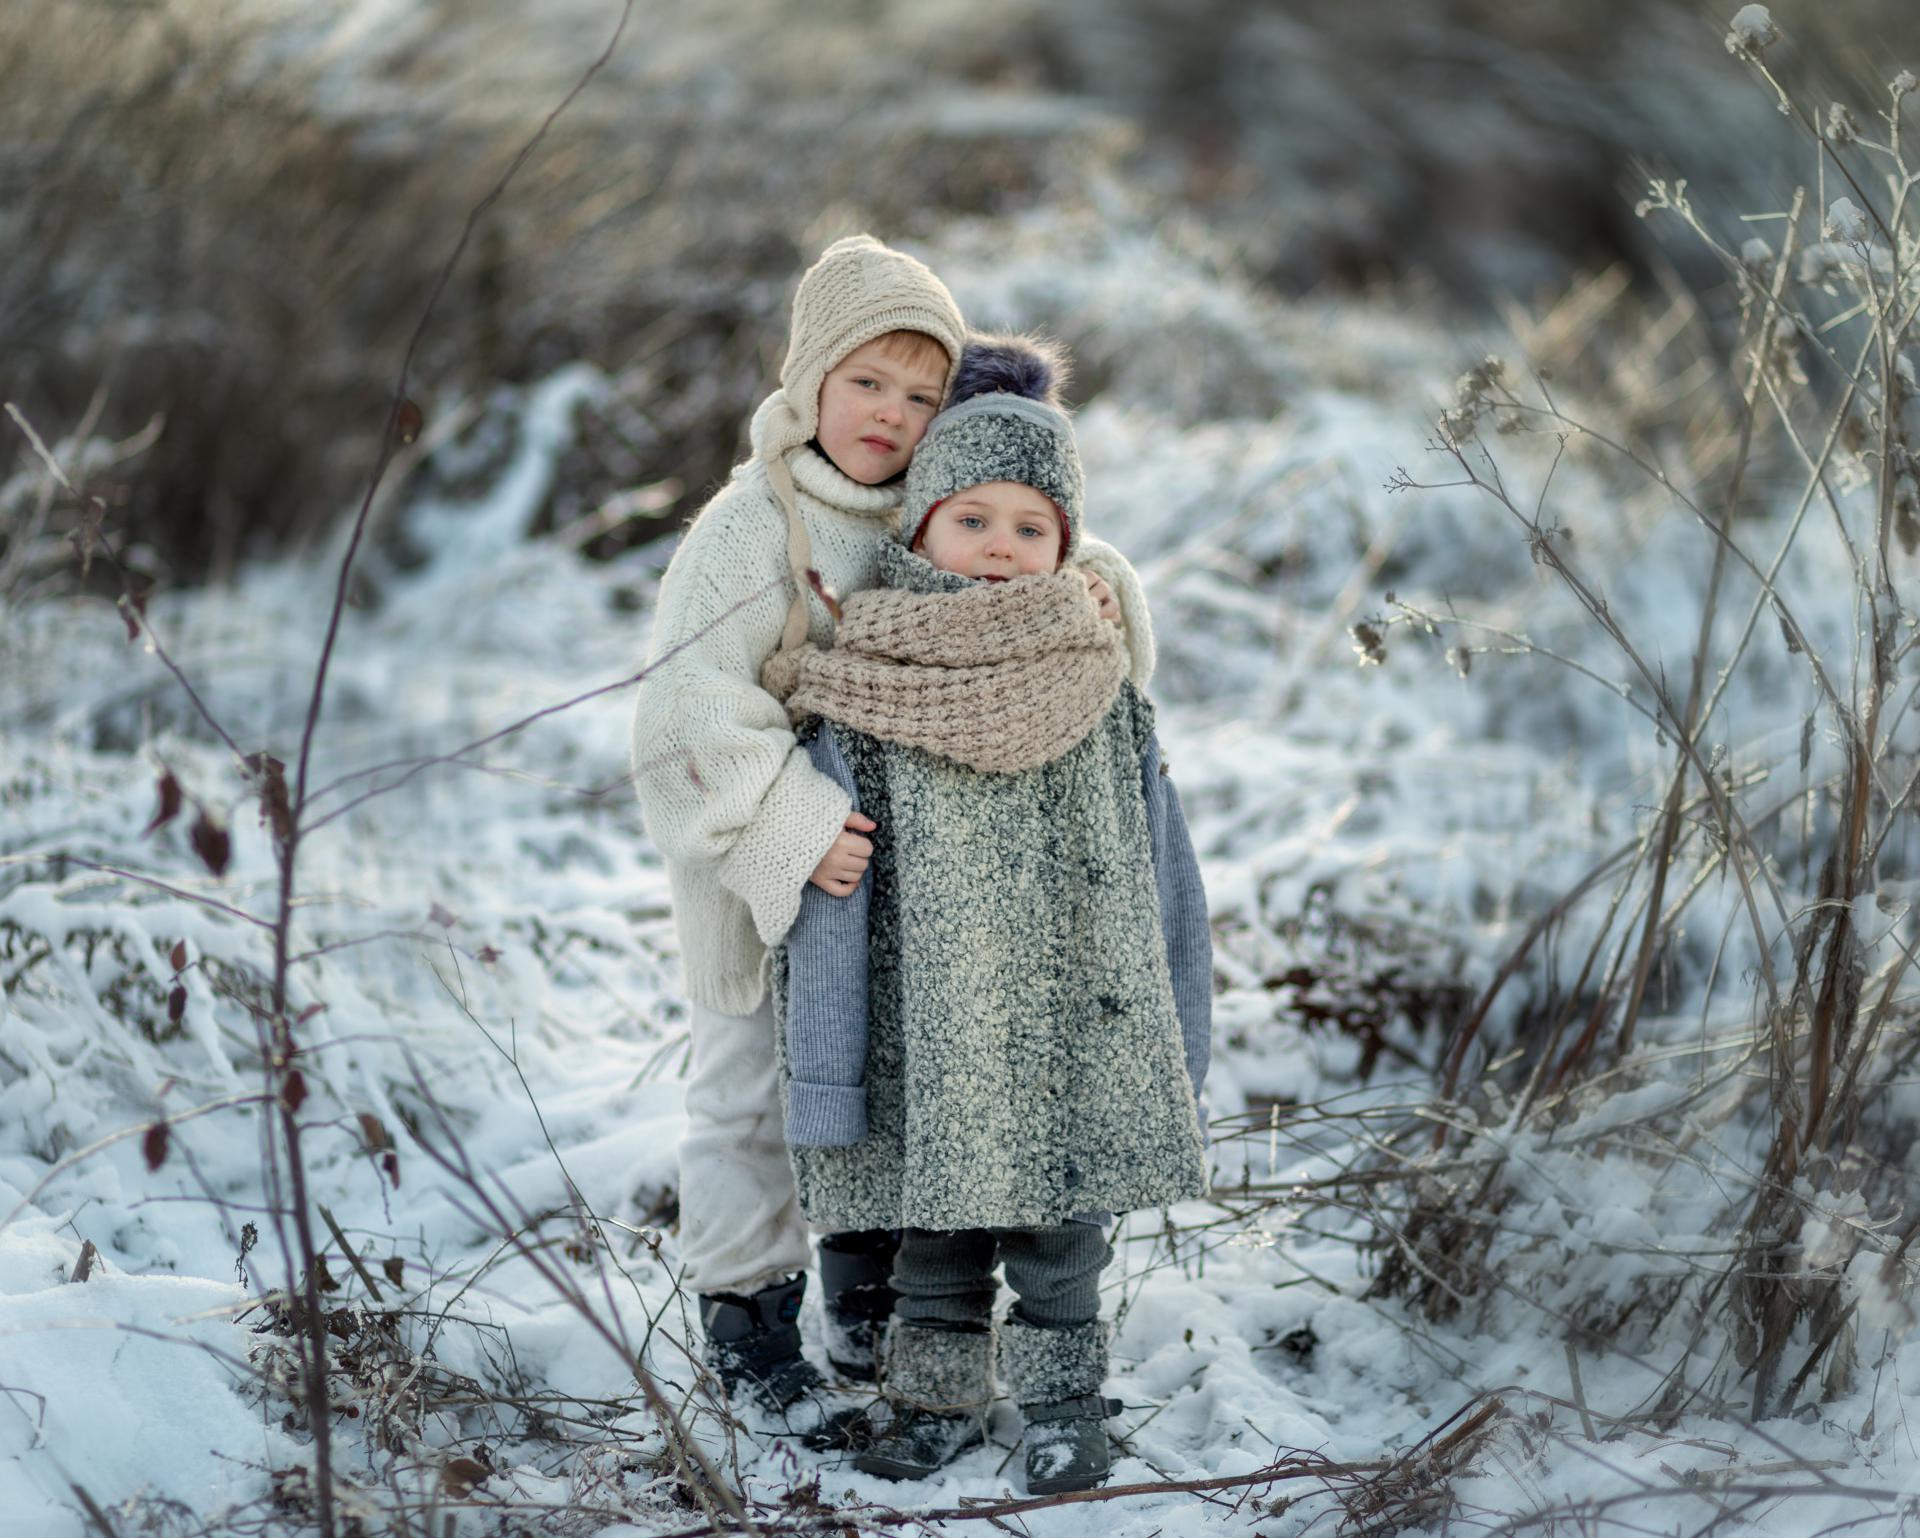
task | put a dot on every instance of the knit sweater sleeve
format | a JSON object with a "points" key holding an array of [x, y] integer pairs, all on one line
{"points": [[1104, 561], [1183, 914], [826, 1014], [721, 780]]}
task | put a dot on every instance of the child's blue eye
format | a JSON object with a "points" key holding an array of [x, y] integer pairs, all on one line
{"points": [[924, 400], [1032, 529], [972, 521]]}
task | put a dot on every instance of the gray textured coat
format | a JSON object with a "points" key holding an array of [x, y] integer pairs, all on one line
{"points": [[1016, 1054]]}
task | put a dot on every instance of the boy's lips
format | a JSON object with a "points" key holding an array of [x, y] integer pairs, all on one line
{"points": [[880, 445]]}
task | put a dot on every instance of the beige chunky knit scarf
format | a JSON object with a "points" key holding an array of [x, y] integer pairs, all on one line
{"points": [[999, 676]]}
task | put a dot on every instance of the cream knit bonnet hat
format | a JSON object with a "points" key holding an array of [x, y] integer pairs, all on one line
{"points": [[858, 290]]}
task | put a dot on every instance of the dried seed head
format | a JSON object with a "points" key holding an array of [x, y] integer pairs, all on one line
{"points": [[1753, 32], [1473, 387], [1841, 127]]}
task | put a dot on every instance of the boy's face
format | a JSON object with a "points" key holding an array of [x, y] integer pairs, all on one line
{"points": [[874, 409], [1000, 530]]}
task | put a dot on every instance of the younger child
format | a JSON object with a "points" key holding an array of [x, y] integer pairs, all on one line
{"points": [[744, 821], [998, 1038]]}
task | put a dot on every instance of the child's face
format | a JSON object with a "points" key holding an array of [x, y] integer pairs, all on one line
{"points": [[874, 409], [1000, 530]]}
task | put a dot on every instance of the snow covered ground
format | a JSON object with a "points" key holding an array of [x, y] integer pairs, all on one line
{"points": [[491, 948]]}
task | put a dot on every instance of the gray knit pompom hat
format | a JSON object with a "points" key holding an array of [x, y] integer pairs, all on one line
{"points": [[1005, 424]]}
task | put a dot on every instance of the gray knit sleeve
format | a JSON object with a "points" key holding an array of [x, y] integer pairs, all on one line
{"points": [[827, 998], [1183, 914]]}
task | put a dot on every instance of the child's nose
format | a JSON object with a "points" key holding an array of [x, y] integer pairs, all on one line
{"points": [[887, 409]]}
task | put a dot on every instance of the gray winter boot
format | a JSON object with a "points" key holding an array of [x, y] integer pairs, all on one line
{"points": [[1055, 1375], [938, 1384], [1067, 1444]]}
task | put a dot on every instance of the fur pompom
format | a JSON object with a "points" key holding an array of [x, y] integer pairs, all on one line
{"points": [[1036, 367]]}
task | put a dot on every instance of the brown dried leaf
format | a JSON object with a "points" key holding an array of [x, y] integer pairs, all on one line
{"points": [[439, 915], [170, 798], [176, 1006], [323, 1278], [375, 1132], [293, 1092], [133, 609], [87, 535], [154, 1145], [390, 1162], [270, 777], [408, 420], [1794, 648], [211, 843], [826, 593], [396, 1270], [462, 1476], [487, 955], [178, 956]]}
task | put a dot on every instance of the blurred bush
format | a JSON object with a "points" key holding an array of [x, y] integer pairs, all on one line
{"points": [[232, 211]]}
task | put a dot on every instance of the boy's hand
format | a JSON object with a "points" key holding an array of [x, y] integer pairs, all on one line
{"points": [[1102, 596], [845, 861]]}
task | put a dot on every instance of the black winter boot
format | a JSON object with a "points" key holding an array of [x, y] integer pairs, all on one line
{"points": [[856, 1294], [753, 1347], [1067, 1444], [917, 1442], [939, 1383]]}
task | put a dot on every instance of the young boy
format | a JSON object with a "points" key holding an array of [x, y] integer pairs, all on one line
{"points": [[998, 1038], [744, 821]]}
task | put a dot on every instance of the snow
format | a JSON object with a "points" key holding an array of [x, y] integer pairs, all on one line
{"points": [[1372, 839], [1753, 29], [1846, 222]]}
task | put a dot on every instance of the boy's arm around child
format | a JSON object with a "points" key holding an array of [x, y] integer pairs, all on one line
{"points": [[1136, 623], [715, 765]]}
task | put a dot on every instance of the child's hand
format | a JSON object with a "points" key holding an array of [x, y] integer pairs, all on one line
{"points": [[845, 861], [1102, 596]]}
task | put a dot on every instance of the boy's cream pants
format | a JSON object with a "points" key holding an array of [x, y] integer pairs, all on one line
{"points": [[740, 1222]]}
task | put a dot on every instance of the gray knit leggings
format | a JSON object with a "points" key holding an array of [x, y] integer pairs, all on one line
{"points": [[945, 1276]]}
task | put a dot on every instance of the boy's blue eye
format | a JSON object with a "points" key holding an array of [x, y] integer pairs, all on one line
{"points": [[1033, 529], [972, 521]]}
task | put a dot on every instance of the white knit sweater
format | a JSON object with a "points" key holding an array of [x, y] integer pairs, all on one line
{"points": [[737, 812]]}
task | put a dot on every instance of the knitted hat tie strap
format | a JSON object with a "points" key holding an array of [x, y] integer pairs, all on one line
{"points": [[782, 431]]}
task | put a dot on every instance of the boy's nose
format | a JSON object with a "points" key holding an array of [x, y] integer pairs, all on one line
{"points": [[887, 411]]}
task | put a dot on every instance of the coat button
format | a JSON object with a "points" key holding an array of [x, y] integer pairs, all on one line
{"points": [[1071, 1175]]}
